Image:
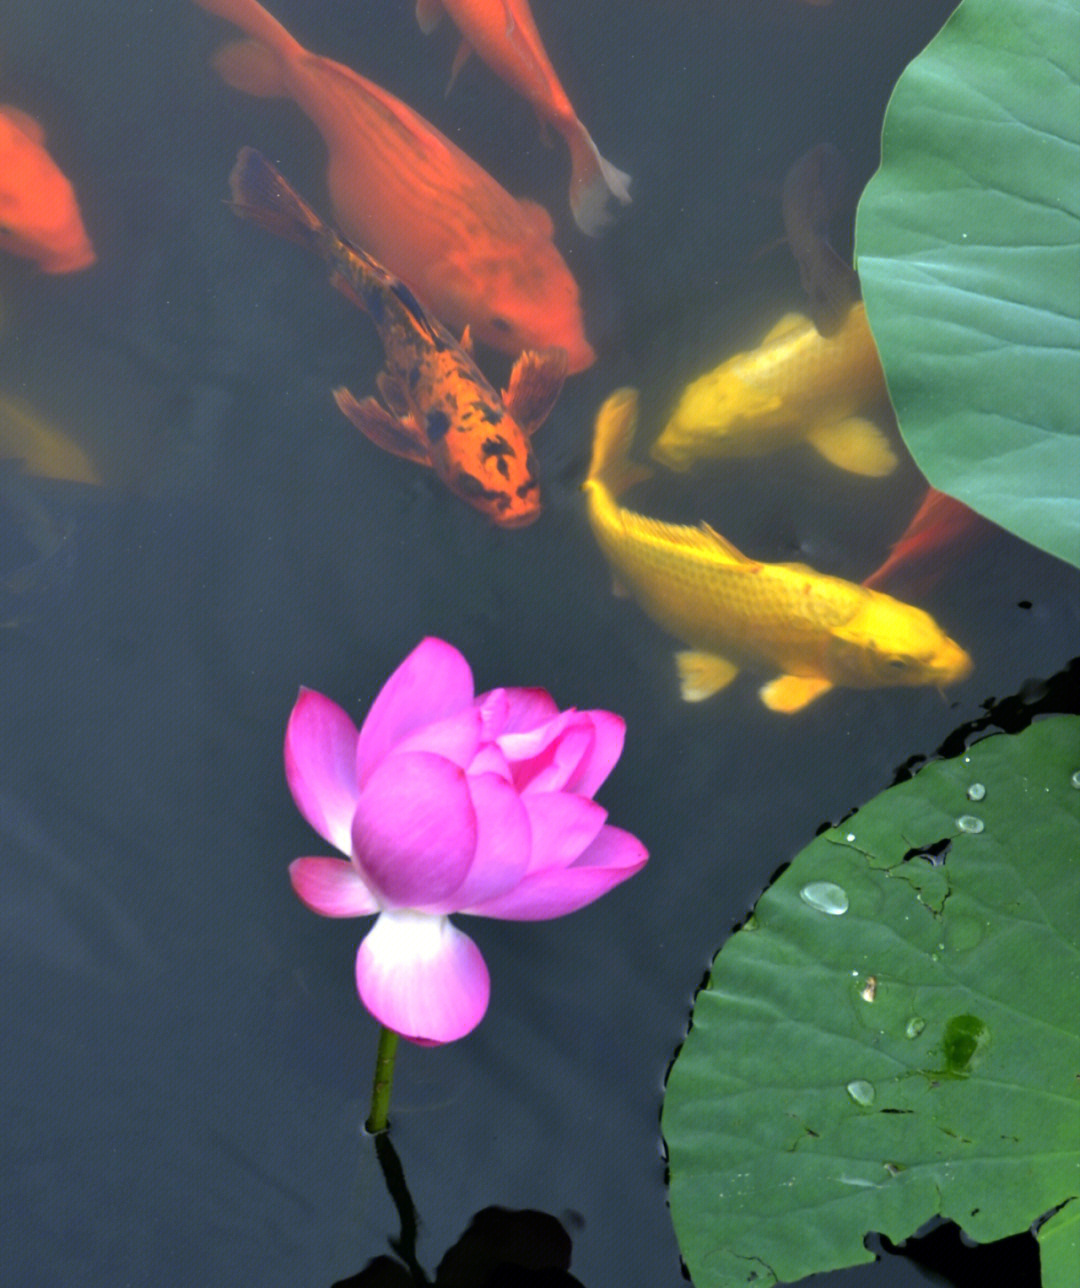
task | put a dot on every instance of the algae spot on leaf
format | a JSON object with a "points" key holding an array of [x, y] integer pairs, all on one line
{"points": [[964, 1038]]}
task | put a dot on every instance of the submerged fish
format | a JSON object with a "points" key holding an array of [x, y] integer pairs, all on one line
{"points": [[504, 34], [796, 386], [735, 612], [44, 449], [474, 254], [815, 192], [39, 214], [36, 547], [442, 411], [940, 524]]}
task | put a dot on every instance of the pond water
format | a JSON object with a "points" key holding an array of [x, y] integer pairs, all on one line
{"points": [[188, 1065]]}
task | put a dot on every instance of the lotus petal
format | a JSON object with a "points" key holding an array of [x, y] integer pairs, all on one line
{"points": [[563, 827], [433, 682], [414, 831], [609, 734], [320, 752], [553, 892], [332, 887], [503, 843], [420, 976]]}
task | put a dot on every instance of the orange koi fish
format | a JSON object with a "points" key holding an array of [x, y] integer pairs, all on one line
{"points": [[504, 34], [939, 524], [441, 411], [475, 255], [39, 216], [815, 191]]}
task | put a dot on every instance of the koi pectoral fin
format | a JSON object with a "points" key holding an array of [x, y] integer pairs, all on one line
{"points": [[855, 445], [464, 52], [376, 423], [702, 674], [535, 383], [789, 693]]}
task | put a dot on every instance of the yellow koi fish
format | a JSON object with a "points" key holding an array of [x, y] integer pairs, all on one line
{"points": [[797, 386], [734, 612], [44, 449]]}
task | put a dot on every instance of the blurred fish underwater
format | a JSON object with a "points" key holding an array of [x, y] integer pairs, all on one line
{"points": [[403, 191], [39, 212]]}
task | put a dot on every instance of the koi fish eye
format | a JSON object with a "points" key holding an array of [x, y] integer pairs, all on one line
{"points": [[500, 324], [899, 663]]}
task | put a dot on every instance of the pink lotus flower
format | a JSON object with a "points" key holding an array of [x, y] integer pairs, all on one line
{"points": [[446, 802]]}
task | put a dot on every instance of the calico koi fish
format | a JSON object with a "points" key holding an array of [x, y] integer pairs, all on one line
{"points": [[39, 214], [440, 410], [503, 33], [475, 255], [735, 612], [796, 386]]}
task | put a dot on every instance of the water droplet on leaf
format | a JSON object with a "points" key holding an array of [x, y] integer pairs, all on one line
{"points": [[1075, 779], [825, 896], [914, 1026], [861, 1091], [869, 990], [976, 792], [969, 823]]}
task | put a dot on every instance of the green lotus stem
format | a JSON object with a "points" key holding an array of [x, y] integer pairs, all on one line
{"points": [[384, 1080]]}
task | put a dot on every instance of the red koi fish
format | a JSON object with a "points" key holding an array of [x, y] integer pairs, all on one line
{"points": [[504, 34], [475, 255], [940, 524], [440, 411], [39, 215]]}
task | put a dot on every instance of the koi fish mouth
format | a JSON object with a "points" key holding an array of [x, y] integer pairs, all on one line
{"points": [[952, 669], [517, 520]]}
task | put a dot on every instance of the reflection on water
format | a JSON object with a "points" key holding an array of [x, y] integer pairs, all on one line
{"points": [[191, 1061]]}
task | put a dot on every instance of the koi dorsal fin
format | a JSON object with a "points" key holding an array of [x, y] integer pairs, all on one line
{"points": [[725, 545]]}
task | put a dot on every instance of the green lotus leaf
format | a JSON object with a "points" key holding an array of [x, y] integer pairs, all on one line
{"points": [[895, 1034], [968, 247]]}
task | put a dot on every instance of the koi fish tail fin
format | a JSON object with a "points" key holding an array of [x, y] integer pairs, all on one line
{"points": [[610, 466], [594, 182], [256, 22], [259, 193]]}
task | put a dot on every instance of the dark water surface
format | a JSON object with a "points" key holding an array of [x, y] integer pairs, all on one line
{"points": [[187, 1065]]}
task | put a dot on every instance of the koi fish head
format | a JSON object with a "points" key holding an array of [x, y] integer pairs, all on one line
{"points": [[526, 302], [707, 420], [891, 643], [489, 463], [39, 216]]}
